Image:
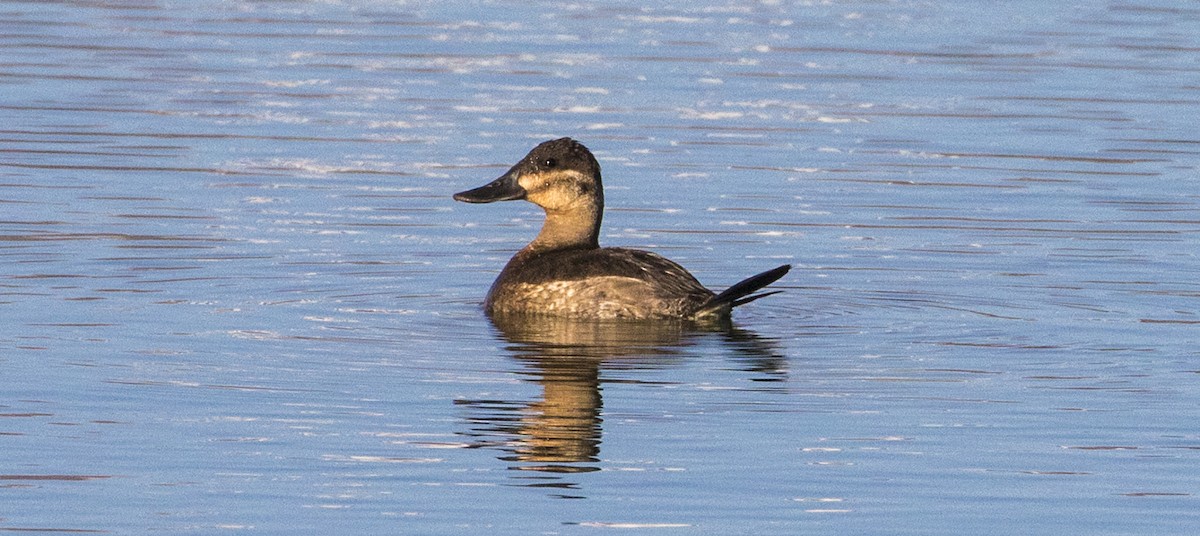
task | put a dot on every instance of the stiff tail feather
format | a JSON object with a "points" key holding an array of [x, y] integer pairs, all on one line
{"points": [[743, 291]]}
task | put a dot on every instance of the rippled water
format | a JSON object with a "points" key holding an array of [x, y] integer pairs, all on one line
{"points": [[236, 295]]}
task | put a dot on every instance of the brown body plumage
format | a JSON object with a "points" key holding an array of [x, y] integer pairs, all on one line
{"points": [[564, 271]]}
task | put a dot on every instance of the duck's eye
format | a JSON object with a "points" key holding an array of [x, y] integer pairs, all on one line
{"points": [[549, 163]]}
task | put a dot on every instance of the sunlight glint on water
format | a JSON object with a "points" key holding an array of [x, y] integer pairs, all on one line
{"points": [[237, 295]]}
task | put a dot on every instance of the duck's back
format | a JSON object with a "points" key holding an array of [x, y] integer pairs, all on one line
{"points": [[596, 283]]}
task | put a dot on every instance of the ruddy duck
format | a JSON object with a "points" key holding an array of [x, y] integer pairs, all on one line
{"points": [[564, 271]]}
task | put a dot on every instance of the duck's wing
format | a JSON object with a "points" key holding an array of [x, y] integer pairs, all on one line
{"points": [[662, 276], [636, 264]]}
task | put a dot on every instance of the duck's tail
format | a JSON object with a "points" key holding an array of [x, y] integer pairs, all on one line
{"points": [[743, 291]]}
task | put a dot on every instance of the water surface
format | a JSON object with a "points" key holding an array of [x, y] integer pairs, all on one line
{"points": [[236, 295]]}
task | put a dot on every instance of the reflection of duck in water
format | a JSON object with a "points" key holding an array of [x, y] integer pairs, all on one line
{"points": [[565, 272], [561, 431], [564, 426]]}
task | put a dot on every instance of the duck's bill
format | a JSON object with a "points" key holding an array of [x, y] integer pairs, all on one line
{"points": [[503, 189]]}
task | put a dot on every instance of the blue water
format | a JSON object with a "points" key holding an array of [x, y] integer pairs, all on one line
{"points": [[236, 296]]}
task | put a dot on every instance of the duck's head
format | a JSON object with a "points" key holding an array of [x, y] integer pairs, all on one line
{"points": [[557, 175]]}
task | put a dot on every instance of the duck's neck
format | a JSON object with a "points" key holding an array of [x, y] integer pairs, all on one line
{"points": [[577, 226]]}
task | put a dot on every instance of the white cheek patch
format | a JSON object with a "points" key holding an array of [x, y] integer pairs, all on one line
{"points": [[557, 188]]}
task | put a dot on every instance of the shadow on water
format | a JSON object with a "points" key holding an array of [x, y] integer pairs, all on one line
{"points": [[560, 433]]}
